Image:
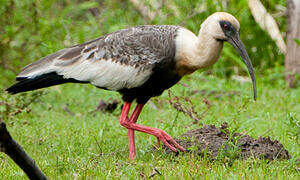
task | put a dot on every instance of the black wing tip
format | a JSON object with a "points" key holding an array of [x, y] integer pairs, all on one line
{"points": [[21, 78], [11, 91], [15, 88], [24, 84]]}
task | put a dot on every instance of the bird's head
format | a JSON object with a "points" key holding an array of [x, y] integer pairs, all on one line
{"points": [[224, 27]]}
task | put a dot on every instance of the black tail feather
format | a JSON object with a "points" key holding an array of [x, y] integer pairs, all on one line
{"points": [[42, 81]]}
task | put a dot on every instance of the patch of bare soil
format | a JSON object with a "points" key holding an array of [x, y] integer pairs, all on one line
{"points": [[215, 142]]}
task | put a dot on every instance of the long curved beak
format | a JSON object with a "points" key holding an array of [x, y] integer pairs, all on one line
{"points": [[236, 42]]}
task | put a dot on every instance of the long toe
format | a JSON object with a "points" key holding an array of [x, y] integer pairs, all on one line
{"points": [[178, 146], [165, 141], [170, 142]]}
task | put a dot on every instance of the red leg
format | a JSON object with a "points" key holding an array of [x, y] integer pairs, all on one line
{"points": [[123, 120], [135, 114], [130, 124]]}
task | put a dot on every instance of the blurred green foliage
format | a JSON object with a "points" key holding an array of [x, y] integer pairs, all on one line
{"points": [[32, 29]]}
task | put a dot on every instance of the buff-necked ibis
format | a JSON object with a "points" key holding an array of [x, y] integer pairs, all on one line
{"points": [[139, 62]]}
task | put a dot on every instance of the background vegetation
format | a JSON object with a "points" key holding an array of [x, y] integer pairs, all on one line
{"points": [[32, 29], [78, 143]]}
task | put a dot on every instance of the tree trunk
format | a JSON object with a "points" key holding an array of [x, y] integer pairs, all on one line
{"points": [[292, 58], [267, 23]]}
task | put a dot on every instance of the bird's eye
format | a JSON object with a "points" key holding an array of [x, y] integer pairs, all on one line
{"points": [[226, 27]]}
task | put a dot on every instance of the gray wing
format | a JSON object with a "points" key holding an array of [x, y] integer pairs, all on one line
{"points": [[123, 59]]}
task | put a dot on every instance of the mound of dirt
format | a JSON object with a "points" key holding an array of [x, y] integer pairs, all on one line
{"points": [[215, 142]]}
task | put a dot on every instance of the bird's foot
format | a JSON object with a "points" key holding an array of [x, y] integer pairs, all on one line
{"points": [[130, 124], [160, 134], [168, 141], [158, 143]]}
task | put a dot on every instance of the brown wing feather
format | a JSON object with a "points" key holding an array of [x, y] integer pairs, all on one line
{"points": [[121, 59]]}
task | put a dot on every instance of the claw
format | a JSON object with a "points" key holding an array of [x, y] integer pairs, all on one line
{"points": [[178, 146], [170, 142], [158, 143]]}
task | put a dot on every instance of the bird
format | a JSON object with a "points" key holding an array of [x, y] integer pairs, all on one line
{"points": [[139, 62]]}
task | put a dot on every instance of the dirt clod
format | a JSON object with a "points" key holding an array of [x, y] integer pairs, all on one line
{"points": [[107, 106], [215, 142]]}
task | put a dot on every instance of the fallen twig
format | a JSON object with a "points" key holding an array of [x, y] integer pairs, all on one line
{"points": [[10, 147], [155, 171], [66, 108], [190, 111]]}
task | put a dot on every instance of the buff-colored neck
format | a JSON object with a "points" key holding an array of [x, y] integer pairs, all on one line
{"points": [[193, 53]]}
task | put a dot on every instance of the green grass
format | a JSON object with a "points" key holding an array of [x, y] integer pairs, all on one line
{"points": [[66, 146]]}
